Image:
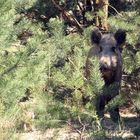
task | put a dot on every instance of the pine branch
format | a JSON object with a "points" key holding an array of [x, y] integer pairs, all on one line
{"points": [[10, 69]]}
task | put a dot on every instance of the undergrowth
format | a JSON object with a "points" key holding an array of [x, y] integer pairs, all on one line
{"points": [[47, 68]]}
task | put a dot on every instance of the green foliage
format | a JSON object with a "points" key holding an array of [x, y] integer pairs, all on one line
{"points": [[89, 16], [130, 23], [95, 79], [49, 68]]}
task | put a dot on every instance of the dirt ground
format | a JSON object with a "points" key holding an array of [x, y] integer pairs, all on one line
{"points": [[130, 121]]}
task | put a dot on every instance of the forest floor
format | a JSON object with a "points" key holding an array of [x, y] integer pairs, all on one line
{"points": [[130, 121]]}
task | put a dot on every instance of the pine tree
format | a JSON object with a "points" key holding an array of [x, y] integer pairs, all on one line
{"points": [[42, 69]]}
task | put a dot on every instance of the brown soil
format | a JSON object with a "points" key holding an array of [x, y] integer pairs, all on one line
{"points": [[130, 121]]}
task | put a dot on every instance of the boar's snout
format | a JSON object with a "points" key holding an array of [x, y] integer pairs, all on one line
{"points": [[108, 62], [103, 67]]}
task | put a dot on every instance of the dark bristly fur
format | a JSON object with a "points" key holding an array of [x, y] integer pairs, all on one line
{"points": [[108, 49]]}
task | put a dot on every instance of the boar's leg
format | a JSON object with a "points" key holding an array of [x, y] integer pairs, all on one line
{"points": [[101, 101], [114, 114], [100, 105]]}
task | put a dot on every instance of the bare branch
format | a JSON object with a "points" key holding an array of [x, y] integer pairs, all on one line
{"points": [[68, 16]]}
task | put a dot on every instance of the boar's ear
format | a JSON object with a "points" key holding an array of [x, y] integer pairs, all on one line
{"points": [[96, 36], [120, 36]]}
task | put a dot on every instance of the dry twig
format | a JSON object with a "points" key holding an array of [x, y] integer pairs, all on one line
{"points": [[69, 17]]}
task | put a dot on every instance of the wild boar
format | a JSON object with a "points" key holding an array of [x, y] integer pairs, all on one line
{"points": [[107, 48]]}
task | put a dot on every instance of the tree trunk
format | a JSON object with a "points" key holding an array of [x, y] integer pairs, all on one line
{"points": [[101, 14]]}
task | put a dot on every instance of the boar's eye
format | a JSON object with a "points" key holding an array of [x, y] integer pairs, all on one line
{"points": [[113, 49]]}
